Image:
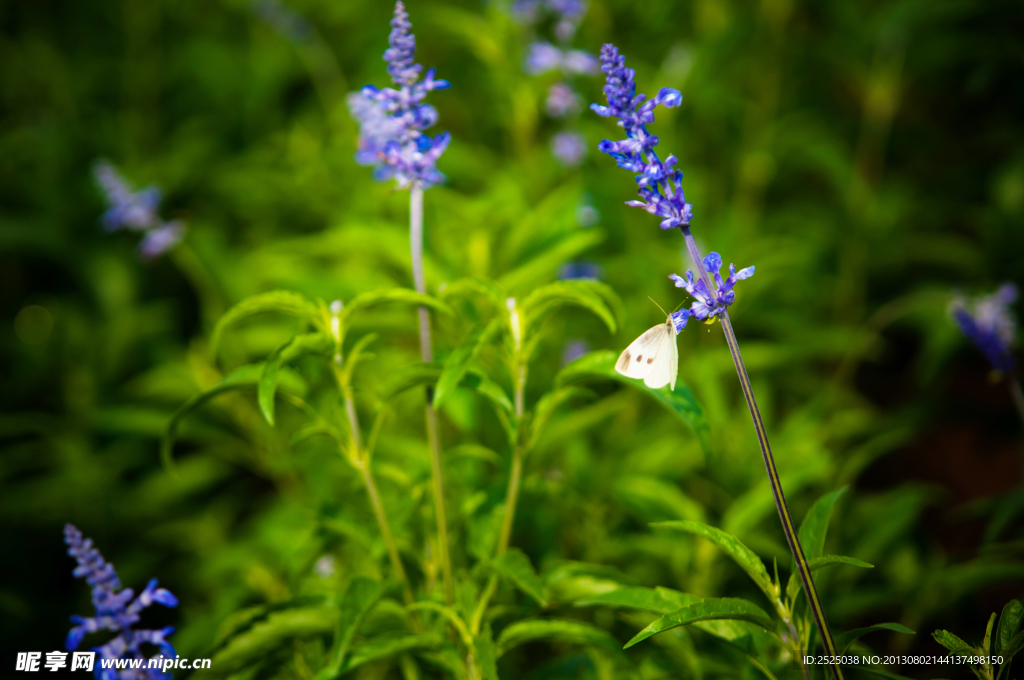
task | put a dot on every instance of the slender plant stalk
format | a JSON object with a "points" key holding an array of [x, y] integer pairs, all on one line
{"points": [[361, 460], [427, 355], [769, 463], [1018, 396]]}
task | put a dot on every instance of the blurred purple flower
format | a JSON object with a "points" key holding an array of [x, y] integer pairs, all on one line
{"points": [[544, 57], [573, 350], [136, 211], [580, 270], [284, 20], [569, 148], [988, 322], [116, 611], [562, 101], [391, 121], [587, 215], [158, 241], [707, 306], [660, 183]]}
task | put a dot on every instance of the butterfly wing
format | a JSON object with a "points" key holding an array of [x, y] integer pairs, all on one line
{"points": [[637, 360], [666, 361]]}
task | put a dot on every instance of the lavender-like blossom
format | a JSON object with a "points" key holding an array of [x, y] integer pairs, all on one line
{"points": [[391, 121], [284, 20], [660, 183], [707, 306], [561, 101], [568, 14], [988, 322], [544, 57], [117, 610], [580, 270], [136, 211], [128, 209], [569, 148]]}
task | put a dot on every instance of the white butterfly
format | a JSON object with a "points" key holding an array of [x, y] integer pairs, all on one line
{"points": [[653, 356]]}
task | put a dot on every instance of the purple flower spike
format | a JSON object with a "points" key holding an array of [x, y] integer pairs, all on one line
{"points": [[988, 323], [391, 121], [660, 183], [708, 305], [117, 610]]}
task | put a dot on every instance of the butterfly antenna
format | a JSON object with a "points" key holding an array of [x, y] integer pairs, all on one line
{"points": [[657, 305], [678, 306]]}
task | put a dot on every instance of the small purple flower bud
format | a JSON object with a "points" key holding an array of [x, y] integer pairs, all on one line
{"points": [[569, 148], [562, 101], [707, 305], [988, 323]]}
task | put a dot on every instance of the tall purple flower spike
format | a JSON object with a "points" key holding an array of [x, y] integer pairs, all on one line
{"points": [[989, 324], [391, 121], [660, 183], [706, 307], [116, 611]]}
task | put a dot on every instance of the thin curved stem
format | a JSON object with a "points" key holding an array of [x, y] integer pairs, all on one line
{"points": [[427, 355], [769, 463], [1018, 397]]}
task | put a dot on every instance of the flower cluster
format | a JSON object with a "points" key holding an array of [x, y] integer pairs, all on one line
{"points": [[117, 610], [568, 146], [988, 323], [136, 211], [707, 305], [391, 121], [660, 183]]}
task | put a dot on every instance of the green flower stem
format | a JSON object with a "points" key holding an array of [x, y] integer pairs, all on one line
{"points": [[360, 459], [769, 463], [427, 355], [1018, 397]]}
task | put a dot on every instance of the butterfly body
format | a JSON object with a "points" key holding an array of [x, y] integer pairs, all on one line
{"points": [[653, 357]]}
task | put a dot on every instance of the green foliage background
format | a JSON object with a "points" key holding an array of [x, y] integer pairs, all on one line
{"points": [[868, 158]]}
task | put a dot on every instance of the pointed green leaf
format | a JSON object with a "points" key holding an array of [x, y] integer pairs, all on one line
{"points": [[794, 584], [815, 525], [396, 295], [469, 287], [657, 499], [241, 378], [458, 361], [657, 600], [708, 609], [409, 377], [317, 344], [486, 654], [279, 301], [553, 629], [733, 547], [448, 613], [1015, 645], [578, 292], [515, 566], [389, 646], [477, 380], [551, 258], [270, 635], [986, 644], [1009, 623], [357, 602], [954, 644], [844, 640], [601, 364]]}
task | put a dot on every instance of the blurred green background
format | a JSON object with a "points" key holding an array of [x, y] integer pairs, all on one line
{"points": [[867, 157]]}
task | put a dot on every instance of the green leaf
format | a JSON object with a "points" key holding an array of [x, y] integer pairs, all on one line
{"points": [[241, 378], [357, 602], [1009, 623], [579, 293], [477, 380], [954, 644], [356, 354], [458, 361], [266, 637], [320, 344], [657, 600], [450, 614], [815, 525], [844, 640], [601, 364], [546, 407], [551, 258], [794, 584], [986, 644], [554, 629], [409, 377], [515, 566], [397, 295], [280, 301], [1015, 645], [743, 555], [708, 609], [474, 286], [486, 654], [657, 499], [388, 646]]}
